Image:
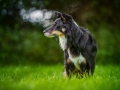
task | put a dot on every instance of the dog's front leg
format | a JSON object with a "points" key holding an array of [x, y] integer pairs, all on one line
{"points": [[66, 71], [68, 65]]}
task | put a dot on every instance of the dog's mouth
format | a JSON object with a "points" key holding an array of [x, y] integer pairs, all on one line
{"points": [[49, 35], [53, 33]]}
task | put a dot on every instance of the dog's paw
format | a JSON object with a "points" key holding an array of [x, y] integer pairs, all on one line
{"points": [[65, 75]]}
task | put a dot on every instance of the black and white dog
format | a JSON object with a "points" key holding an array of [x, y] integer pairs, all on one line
{"points": [[78, 44]]}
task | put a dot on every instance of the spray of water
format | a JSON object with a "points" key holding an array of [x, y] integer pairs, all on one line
{"points": [[37, 16]]}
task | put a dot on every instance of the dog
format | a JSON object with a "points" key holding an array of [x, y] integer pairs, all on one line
{"points": [[79, 46]]}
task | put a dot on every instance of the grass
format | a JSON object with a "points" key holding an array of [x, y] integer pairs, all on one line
{"points": [[43, 77]]}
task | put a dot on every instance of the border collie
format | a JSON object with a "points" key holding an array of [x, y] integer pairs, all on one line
{"points": [[78, 44]]}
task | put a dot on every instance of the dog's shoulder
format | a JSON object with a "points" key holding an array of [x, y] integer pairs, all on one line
{"points": [[85, 30]]}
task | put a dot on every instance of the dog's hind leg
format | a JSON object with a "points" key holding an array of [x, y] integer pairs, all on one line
{"points": [[90, 66]]}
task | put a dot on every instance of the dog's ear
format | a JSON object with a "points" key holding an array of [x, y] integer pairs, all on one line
{"points": [[64, 17], [58, 14], [67, 17]]}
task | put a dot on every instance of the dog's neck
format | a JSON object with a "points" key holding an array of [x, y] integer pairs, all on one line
{"points": [[63, 42], [63, 39]]}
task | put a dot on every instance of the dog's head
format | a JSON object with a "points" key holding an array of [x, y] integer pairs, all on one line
{"points": [[59, 26]]}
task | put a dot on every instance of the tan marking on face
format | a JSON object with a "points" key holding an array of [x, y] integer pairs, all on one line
{"points": [[57, 33], [63, 29]]}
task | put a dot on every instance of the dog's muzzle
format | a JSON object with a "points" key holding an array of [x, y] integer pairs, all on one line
{"points": [[48, 34]]}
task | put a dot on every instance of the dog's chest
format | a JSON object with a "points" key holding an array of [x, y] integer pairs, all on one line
{"points": [[76, 60], [63, 42]]}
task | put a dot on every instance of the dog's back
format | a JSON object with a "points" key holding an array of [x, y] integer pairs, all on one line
{"points": [[90, 51]]}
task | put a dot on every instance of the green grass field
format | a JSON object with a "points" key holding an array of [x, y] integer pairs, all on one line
{"points": [[43, 77]]}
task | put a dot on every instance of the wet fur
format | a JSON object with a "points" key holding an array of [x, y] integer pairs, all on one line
{"points": [[79, 41]]}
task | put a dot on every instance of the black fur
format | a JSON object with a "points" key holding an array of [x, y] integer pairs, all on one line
{"points": [[79, 40]]}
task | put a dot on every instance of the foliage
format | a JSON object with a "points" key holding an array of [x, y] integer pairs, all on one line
{"points": [[50, 78], [108, 45], [24, 43], [25, 47], [31, 46]]}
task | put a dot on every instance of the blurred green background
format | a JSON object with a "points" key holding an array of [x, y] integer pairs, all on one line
{"points": [[22, 40]]}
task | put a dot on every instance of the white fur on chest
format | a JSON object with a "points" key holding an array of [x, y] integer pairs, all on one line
{"points": [[76, 60], [62, 41]]}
